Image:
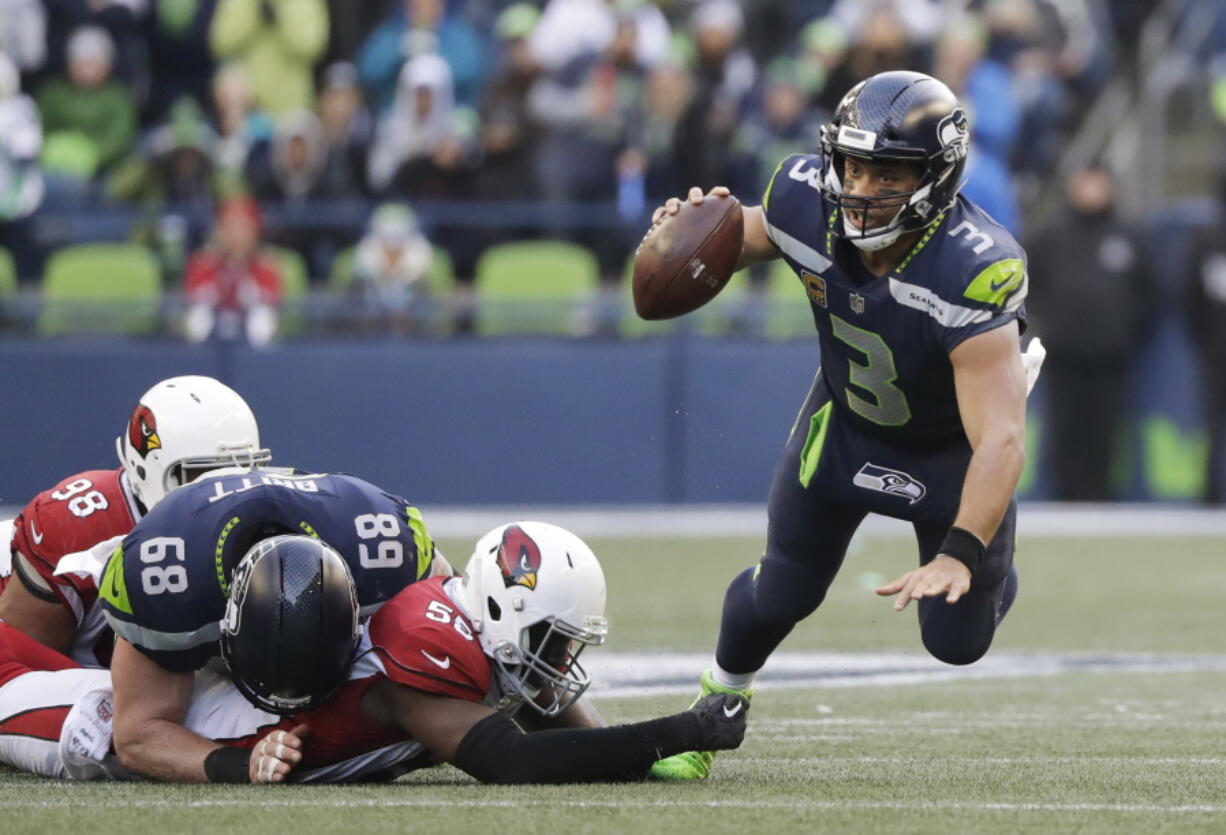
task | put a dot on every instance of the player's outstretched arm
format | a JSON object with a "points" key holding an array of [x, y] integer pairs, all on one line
{"points": [[991, 388], [490, 747], [150, 705], [757, 246]]}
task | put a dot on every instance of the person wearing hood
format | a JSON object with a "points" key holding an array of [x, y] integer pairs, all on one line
{"points": [[1086, 266], [21, 178]]}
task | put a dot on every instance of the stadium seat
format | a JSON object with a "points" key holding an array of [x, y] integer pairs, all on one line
{"points": [[295, 282], [101, 288], [788, 314], [534, 287], [439, 282], [8, 273]]}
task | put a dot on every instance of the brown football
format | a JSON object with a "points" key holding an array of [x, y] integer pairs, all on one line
{"points": [[686, 259]]}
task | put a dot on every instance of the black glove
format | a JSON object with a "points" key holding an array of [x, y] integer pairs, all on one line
{"points": [[721, 721], [268, 12]]}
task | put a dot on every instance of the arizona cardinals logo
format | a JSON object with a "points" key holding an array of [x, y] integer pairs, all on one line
{"points": [[143, 431], [519, 557]]}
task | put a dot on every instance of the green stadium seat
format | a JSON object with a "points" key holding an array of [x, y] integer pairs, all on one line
{"points": [[295, 283], [440, 280], [534, 287], [8, 273], [101, 288], [788, 314]]}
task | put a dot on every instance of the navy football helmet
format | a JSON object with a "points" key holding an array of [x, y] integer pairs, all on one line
{"points": [[290, 632], [903, 117]]}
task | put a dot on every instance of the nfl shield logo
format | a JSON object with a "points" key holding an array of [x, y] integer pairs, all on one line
{"points": [[857, 303]]}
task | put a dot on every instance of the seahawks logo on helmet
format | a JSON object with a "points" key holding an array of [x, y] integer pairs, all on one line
{"points": [[894, 482], [143, 431], [954, 134], [519, 557]]}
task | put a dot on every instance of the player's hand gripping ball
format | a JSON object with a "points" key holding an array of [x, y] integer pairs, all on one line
{"points": [[687, 256]]}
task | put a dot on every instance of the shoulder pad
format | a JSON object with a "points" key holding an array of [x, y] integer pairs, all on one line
{"points": [[426, 643]]}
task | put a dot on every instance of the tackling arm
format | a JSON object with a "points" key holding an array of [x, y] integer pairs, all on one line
{"points": [[488, 746], [150, 705]]}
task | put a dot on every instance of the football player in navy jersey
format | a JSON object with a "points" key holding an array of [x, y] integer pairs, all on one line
{"points": [[918, 408], [164, 590]]}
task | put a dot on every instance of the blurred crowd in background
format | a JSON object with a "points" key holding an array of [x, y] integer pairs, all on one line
{"points": [[310, 166]]}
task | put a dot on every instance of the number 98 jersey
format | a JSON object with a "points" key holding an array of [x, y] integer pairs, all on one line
{"points": [[164, 589]]}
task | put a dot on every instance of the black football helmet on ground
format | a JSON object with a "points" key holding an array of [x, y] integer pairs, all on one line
{"points": [[290, 632], [904, 117]]}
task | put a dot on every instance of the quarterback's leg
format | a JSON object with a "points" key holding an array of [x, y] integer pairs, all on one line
{"points": [[962, 633]]}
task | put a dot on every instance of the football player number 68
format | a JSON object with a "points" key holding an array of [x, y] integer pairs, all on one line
{"points": [[389, 553], [157, 578]]}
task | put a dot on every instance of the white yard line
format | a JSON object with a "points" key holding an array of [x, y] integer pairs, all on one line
{"points": [[618, 675], [93, 802]]}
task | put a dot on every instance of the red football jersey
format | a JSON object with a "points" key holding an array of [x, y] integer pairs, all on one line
{"points": [[78, 512], [426, 643], [421, 640]]}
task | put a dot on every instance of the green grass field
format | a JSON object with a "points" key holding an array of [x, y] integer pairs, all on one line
{"points": [[1127, 750]]}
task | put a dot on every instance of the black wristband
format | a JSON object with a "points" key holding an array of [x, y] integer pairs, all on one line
{"points": [[964, 547], [228, 765]]}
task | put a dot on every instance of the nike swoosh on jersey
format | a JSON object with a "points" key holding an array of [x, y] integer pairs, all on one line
{"points": [[1000, 285], [34, 534], [445, 663], [734, 711]]}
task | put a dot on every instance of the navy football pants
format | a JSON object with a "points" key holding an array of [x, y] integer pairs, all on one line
{"points": [[811, 524]]}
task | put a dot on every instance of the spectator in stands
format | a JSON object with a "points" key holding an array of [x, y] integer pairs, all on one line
{"points": [[415, 28], [882, 42], [232, 290], [574, 29], [985, 88], [277, 42], [1090, 292], [23, 34], [823, 48], [180, 59], [390, 271], [508, 131], [123, 22], [669, 86], [424, 146], [173, 177], [89, 118], [21, 178], [593, 149], [724, 78], [1205, 304], [239, 124], [289, 168], [347, 130]]}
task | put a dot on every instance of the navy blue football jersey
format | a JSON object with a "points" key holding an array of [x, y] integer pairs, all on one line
{"points": [[165, 588], [885, 341]]}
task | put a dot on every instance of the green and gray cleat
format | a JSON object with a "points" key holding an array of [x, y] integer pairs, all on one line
{"points": [[694, 765]]}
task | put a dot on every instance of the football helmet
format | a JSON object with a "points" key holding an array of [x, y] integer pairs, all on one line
{"points": [[183, 426], [535, 594], [896, 116], [290, 632]]}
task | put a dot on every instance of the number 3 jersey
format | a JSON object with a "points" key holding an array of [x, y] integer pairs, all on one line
{"points": [[165, 589], [78, 512], [885, 341]]}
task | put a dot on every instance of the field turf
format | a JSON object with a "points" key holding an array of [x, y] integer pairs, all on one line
{"points": [[1108, 747]]}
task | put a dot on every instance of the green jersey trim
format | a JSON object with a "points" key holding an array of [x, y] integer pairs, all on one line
{"points": [[114, 588], [998, 282], [425, 545], [811, 454]]}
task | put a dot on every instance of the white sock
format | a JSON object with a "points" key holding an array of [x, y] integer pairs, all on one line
{"points": [[733, 681]]}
